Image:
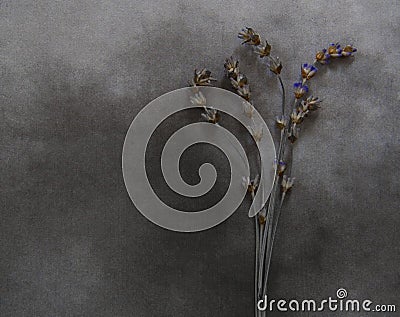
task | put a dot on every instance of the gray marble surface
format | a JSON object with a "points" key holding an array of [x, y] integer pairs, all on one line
{"points": [[74, 75]]}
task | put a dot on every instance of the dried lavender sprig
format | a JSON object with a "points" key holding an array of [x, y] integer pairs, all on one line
{"points": [[274, 211], [309, 104], [275, 217], [308, 71], [275, 66], [269, 231]]}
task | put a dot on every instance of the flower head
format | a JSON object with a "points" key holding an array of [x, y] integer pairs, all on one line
{"points": [[281, 122], [348, 50], [287, 183], [242, 87], [275, 65], [300, 90], [310, 104], [334, 50], [211, 115], [322, 57], [263, 50], [198, 99], [248, 109], [244, 92], [308, 71], [280, 167], [297, 116], [231, 67], [241, 80], [202, 78], [249, 37]]}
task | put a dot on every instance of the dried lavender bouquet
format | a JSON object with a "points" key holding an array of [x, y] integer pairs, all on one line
{"points": [[289, 122]]}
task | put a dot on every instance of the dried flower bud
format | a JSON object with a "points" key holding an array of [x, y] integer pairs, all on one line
{"points": [[310, 104], [198, 99], [287, 183], [297, 116], [231, 67], [275, 66], [211, 115], [281, 122], [348, 51], [300, 90], [262, 219], [280, 168], [244, 92], [308, 71], [322, 57], [202, 78], [242, 89], [249, 37], [334, 50], [241, 80], [263, 51]]}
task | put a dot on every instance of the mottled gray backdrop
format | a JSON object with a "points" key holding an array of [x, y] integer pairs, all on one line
{"points": [[74, 75]]}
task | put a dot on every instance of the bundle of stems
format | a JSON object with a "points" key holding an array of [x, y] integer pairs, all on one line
{"points": [[301, 106]]}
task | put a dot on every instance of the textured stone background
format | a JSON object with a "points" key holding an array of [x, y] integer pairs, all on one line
{"points": [[75, 73]]}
